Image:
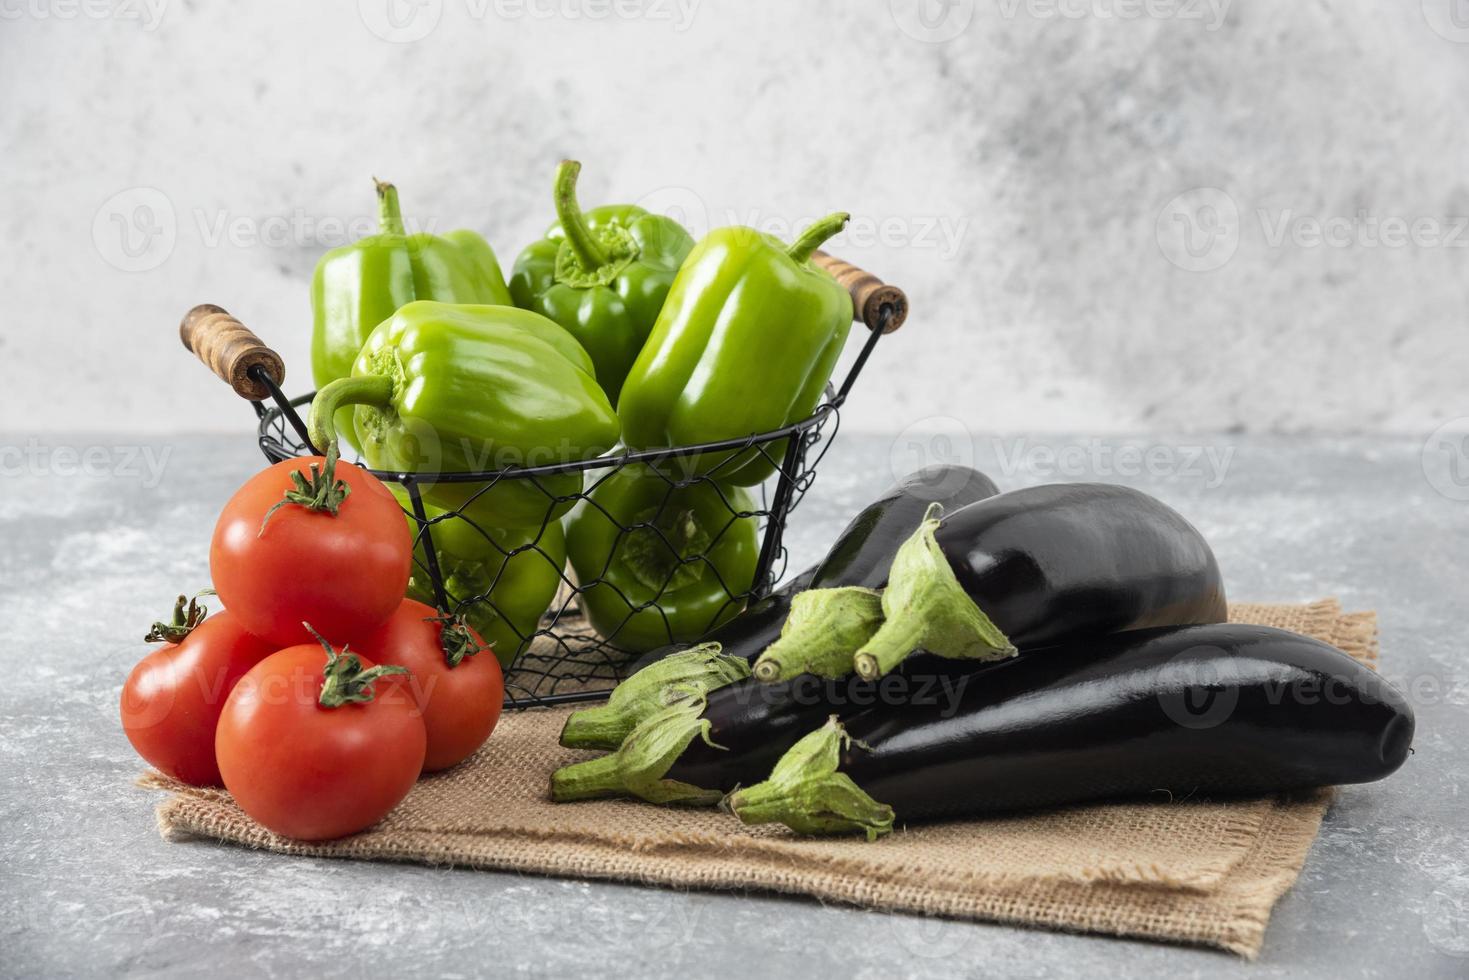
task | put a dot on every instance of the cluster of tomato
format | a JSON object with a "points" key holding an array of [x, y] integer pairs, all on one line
{"points": [[320, 693]]}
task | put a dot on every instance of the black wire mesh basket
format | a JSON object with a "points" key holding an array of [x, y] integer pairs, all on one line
{"points": [[564, 623]]}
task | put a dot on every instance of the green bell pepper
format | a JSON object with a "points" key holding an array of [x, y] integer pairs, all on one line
{"points": [[602, 275], [358, 286], [500, 581], [662, 563], [441, 388], [746, 342]]}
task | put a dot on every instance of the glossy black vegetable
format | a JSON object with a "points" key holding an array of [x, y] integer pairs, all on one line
{"points": [[860, 556], [754, 724], [697, 750], [1044, 565], [1167, 714]]}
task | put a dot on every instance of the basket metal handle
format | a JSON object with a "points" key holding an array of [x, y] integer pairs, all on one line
{"points": [[869, 293], [229, 349]]}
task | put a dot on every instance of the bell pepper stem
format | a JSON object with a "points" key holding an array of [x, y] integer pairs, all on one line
{"points": [[925, 607], [389, 214], [812, 238], [824, 629], [588, 250], [807, 793], [363, 389]]}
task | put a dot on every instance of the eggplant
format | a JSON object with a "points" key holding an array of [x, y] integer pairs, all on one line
{"points": [[1037, 567], [860, 556], [695, 748], [1167, 714]]}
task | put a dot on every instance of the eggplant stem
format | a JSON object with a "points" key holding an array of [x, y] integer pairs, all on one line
{"points": [[807, 793], [639, 767], [687, 674], [602, 727], [824, 629], [588, 780], [925, 608]]}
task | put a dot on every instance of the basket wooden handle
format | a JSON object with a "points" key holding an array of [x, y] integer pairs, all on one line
{"points": [[869, 293], [230, 350]]}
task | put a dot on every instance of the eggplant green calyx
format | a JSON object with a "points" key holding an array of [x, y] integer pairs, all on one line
{"points": [[344, 680], [824, 629], [807, 793], [188, 613], [587, 258], [814, 237], [321, 491], [924, 607], [455, 639], [689, 673], [639, 766]]}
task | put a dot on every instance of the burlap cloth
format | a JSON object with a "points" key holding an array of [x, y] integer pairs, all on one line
{"points": [[1187, 871]]}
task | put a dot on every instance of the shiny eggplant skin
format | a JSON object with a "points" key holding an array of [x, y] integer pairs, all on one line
{"points": [[755, 723], [1197, 711], [860, 556], [1049, 564]]}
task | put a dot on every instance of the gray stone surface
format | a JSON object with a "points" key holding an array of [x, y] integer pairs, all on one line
{"points": [[87, 887], [1089, 201]]}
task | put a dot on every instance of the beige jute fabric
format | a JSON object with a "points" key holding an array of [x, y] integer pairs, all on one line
{"points": [[1186, 871]]}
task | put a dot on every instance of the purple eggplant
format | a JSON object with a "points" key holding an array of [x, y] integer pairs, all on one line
{"points": [[1037, 567], [1194, 712]]}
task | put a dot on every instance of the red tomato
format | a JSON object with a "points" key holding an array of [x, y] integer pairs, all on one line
{"points": [[172, 699], [460, 703], [313, 772], [344, 573]]}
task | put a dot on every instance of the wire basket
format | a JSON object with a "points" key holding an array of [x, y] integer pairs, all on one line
{"points": [[707, 548]]}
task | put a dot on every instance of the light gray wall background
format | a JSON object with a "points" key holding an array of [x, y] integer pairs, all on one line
{"points": [[1110, 214]]}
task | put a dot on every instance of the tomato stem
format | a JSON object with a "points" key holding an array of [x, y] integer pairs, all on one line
{"points": [[188, 613], [455, 639], [344, 680], [321, 491]]}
